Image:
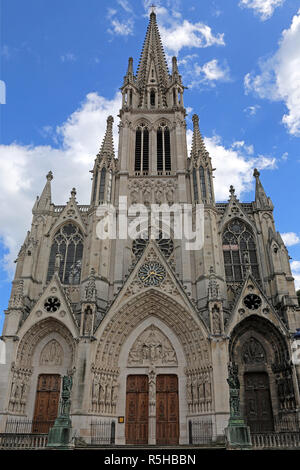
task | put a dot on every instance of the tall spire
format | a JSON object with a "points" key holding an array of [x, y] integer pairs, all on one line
{"points": [[152, 50], [107, 147], [153, 66], [43, 203]]}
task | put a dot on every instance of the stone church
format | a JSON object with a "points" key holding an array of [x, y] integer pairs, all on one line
{"points": [[145, 327]]}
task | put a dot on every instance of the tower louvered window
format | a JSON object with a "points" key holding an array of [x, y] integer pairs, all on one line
{"points": [[163, 149], [152, 98], [195, 185], [202, 183], [142, 149], [66, 253], [102, 185], [239, 250]]}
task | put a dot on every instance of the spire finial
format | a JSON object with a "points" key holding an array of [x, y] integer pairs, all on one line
{"points": [[256, 173], [153, 9], [49, 176], [73, 193], [232, 190]]}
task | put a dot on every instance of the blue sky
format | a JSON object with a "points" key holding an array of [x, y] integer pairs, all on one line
{"points": [[63, 63]]}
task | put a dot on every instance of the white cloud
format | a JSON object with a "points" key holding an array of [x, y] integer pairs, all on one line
{"points": [[252, 110], [263, 8], [233, 165], [279, 79], [124, 28], [290, 238], [295, 265], [26, 166], [195, 75], [187, 34], [125, 5]]}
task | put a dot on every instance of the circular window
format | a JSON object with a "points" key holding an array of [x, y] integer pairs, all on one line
{"points": [[52, 304], [252, 301], [152, 273]]}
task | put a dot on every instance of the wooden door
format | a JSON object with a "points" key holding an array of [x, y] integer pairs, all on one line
{"points": [[258, 407], [167, 410], [137, 409], [46, 402]]}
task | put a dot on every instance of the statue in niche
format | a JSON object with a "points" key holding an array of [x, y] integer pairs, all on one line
{"points": [[88, 321], [52, 354], [216, 320]]}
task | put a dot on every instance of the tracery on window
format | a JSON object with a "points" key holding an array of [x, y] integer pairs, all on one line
{"points": [[66, 254], [165, 244], [239, 250]]}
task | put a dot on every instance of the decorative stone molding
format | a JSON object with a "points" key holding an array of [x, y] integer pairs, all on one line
{"points": [[152, 191], [35, 334], [156, 303]]}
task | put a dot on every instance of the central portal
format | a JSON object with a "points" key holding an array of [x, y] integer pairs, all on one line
{"points": [[137, 409]]}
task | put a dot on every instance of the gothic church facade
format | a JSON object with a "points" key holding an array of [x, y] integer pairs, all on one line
{"points": [[147, 328]]}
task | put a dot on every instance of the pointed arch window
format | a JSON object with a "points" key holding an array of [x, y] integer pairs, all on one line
{"points": [[102, 185], [163, 149], [209, 184], [66, 254], [239, 251], [95, 186], [142, 149], [202, 183], [195, 185]]}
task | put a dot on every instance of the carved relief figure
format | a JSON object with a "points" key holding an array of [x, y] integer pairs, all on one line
{"points": [[52, 354], [152, 347]]}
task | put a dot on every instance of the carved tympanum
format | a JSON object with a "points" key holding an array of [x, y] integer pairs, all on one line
{"points": [[253, 352], [152, 347]]}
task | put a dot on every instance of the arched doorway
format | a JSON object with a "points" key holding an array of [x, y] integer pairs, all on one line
{"points": [[260, 351]]}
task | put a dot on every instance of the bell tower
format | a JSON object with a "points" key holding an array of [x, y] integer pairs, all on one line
{"points": [[152, 154]]}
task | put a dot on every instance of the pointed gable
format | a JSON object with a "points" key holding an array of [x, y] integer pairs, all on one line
{"points": [[252, 301], [70, 213], [53, 303], [137, 283], [234, 209]]}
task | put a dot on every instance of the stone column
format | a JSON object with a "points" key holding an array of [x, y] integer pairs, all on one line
{"points": [[152, 407]]}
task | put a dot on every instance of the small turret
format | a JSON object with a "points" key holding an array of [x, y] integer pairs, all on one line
{"points": [[201, 167], [104, 165], [43, 203], [262, 201]]}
